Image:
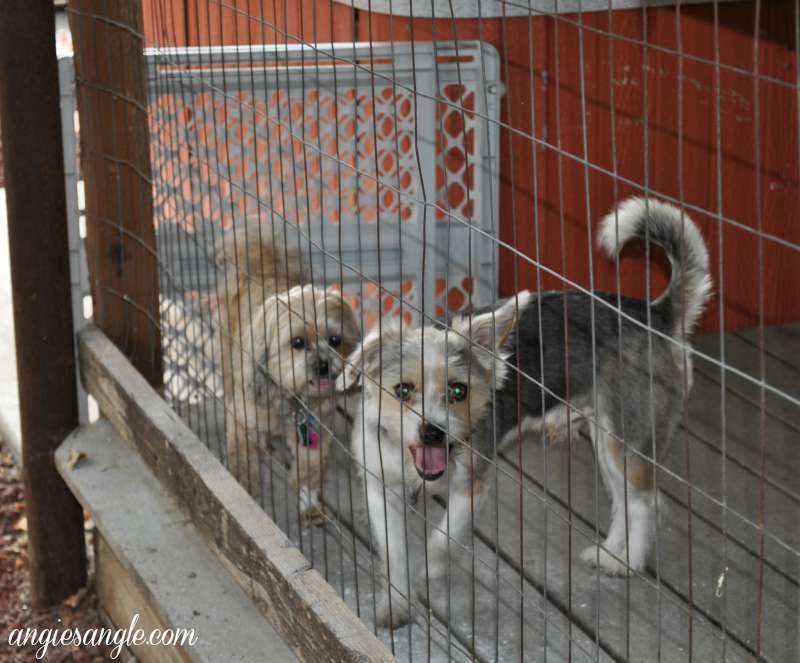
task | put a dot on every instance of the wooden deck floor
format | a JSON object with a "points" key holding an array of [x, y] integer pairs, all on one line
{"points": [[724, 587]]}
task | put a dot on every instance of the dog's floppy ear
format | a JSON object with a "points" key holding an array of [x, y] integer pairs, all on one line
{"points": [[358, 362], [342, 312], [267, 317], [365, 359], [492, 330]]}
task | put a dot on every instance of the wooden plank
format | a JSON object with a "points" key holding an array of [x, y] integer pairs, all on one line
{"points": [[739, 491], [689, 612], [743, 432], [40, 273], [303, 608], [121, 598], [191, 591], [631, 618], [782, 342], [246, 22], [742, 443], [115, 157], [164, 23], [742, 352]]}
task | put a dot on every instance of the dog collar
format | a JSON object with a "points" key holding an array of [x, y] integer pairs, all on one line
{"points": [[309, 429]]}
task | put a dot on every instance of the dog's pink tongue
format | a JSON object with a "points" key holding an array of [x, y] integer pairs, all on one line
{"points": [[324, 383], [430, 460]]}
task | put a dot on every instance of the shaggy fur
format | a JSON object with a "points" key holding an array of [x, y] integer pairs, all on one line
{"points": [[623, 384], [283, 340]]}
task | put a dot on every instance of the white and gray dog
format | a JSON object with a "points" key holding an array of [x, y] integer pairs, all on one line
{"points": [[428, 393]]}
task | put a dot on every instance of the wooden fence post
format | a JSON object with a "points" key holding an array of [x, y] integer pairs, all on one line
{"points": [[38, 244], [115, 156]]}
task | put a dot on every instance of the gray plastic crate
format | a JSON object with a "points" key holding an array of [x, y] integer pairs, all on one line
{"points": [[380, 161]]}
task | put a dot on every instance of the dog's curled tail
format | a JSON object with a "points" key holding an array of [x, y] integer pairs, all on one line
{"points": [[690, 287]]}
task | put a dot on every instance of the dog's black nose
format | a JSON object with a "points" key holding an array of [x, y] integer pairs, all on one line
{"points": [[323, 368], [431, 434]]}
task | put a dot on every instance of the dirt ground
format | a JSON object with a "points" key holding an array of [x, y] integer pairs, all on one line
{"points": [[77, 611]]}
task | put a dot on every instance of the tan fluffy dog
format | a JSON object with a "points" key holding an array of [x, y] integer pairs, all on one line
{"points": [[283, 340]]}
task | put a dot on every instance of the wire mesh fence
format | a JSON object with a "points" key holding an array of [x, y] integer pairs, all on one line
{"points": [[394, 301]]}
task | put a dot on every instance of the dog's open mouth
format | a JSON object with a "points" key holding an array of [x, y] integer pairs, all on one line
{"points": [[430, 461], [323, 384]]}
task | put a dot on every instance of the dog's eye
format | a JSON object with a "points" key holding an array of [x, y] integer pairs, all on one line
{"points": [[298, 342], [458, 391], [334, 341], [404, 390]]}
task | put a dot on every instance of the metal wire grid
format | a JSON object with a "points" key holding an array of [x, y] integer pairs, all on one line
{"points": [[474, 169], [520, 584]]}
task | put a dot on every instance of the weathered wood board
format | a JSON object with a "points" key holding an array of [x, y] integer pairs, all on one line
{"points": [[295, 598]]}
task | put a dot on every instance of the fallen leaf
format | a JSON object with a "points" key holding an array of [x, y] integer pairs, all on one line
{"points": [[21, 524], [74, 600], [75, 457], [721, 582]]}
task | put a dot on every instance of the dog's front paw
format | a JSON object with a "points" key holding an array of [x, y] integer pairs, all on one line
{"points": [[399, 614], [599, 557]]}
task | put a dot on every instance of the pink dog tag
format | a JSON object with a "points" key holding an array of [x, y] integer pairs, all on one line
{"points": [[309, 431]]}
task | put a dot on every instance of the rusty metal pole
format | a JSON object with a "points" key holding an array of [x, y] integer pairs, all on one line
{"points": [[38, 244]]}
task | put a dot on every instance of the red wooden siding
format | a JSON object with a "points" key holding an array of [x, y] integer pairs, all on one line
{"points": [[216, 23], [674, 151]]}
